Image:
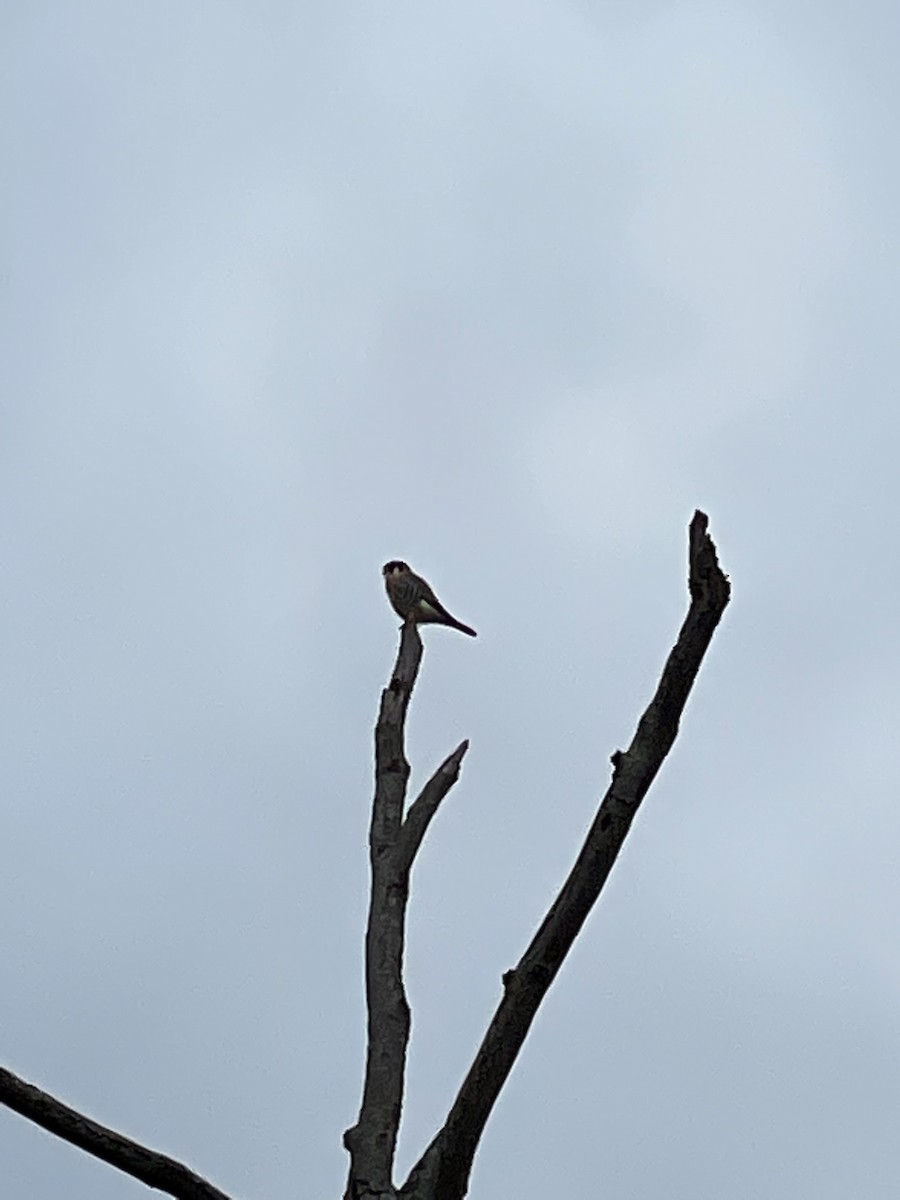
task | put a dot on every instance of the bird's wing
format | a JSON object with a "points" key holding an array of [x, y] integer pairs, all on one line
{"points": [[428, 600], [432, 609]]}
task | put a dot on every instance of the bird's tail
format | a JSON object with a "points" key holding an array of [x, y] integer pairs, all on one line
{"points": [[462, 628]]}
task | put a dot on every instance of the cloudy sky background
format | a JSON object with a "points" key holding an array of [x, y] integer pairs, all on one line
{"points": [[506, 290]]}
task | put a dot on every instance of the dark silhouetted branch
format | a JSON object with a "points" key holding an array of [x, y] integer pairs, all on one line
{"points": [[443, 1171], [427, 802], [392, 845], [156, 1170]]}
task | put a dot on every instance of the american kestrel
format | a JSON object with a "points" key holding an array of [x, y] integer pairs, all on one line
{"points": [[413, 600]]}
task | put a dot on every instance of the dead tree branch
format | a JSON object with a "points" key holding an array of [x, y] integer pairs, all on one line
{"points": [[393, 843], [443, 1171], [156, 1170], [426, 803]]}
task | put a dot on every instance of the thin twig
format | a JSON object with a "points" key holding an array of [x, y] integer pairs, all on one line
{"points": [[427, 802], [156, 1170]]}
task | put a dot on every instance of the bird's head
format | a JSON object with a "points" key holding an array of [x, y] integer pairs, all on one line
{"points": [[394, 567]]}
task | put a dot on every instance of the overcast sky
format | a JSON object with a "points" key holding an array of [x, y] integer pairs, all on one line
{"points": [[506, 290]]}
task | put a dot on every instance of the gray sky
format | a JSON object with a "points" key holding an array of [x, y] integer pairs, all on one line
{"points": [[506, 290]]}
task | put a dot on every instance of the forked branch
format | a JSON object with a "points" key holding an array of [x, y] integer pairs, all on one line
{"points": [[443, 1171], [393, 843]]}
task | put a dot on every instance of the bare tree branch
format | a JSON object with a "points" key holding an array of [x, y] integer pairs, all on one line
{"points": [[392, 846], [427, 802], [443, 1171], [156, 1170], [372, 1141]]}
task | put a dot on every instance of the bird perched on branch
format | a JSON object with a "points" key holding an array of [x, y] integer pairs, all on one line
{"points": [[413, 600]]}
